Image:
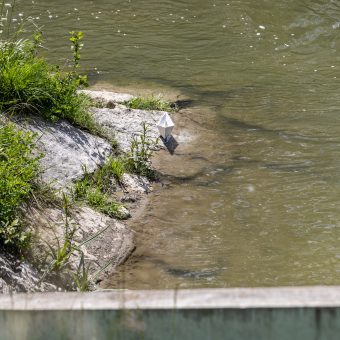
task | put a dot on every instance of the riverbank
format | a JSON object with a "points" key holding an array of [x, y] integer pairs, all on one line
{"points": [[153, 263], [101, 241]]}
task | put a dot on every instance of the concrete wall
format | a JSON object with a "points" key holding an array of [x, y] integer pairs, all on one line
{"points": [[278, 314]]}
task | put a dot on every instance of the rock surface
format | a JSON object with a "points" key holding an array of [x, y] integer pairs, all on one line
{"points": [[109, 241], [108, 99], [125, 123], [67, 150], [113, 242], [20, 277], [135, 183]]}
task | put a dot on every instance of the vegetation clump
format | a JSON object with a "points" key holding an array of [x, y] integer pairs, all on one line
{"points": [[151, 103], [97, 188], [29, 84], [18, 171]]}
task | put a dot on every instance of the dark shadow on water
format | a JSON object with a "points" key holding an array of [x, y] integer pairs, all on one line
{"points": [[182, 104], [178, 271], [170, 143]]}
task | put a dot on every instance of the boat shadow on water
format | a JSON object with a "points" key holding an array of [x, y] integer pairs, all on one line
{"points": [[170, 143]]}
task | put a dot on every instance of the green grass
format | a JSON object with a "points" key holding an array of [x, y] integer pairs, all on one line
{"points": [[105, 177], [150, 103], [117, 168], [29, 84], [18, 171], [97, 189], [102, 202]]}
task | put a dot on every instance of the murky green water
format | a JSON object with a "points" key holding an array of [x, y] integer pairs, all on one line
{"points": [[254, 200]]}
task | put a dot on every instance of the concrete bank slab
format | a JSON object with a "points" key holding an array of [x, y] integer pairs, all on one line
{"points": [[270, 313], [242, 298]]}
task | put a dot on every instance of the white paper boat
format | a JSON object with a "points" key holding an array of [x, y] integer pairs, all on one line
{"points": [[165, 126]]}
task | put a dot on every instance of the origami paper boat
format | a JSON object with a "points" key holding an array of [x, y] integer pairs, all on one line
{"points": [[165, 126]]}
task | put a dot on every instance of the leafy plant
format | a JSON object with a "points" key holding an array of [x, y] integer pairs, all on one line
{"points": [[96, 198], [141, 151], [13, 234], [76, 38]]}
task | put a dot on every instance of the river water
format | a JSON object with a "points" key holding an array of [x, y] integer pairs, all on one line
{"points": [[254, 198]]}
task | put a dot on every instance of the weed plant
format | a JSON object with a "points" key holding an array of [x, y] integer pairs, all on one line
{"points": [[64, 249], [60, 254], [138, 160], [82, 279]]}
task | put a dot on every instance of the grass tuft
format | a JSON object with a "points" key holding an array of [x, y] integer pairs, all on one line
{"points": [[151, 103], [29, 84], [82, 279], [97, 188]]}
